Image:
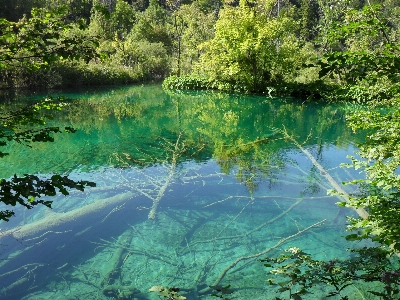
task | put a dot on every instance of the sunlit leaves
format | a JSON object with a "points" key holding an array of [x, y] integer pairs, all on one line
{"points": [[37, 41], [379, 192], [251, 50], [363, 57], [191, 27]]}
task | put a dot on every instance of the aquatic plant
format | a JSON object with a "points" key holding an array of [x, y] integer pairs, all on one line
{"points": [[169, 293]]}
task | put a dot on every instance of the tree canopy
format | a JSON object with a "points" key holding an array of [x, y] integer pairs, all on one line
{"points": [[318, 49]]}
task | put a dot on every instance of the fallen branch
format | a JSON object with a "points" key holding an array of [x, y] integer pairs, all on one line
{"points": [[22, 280], [55, 219], [114, 265], [236, 237], [262, 197], [222, 275], [133, 250], [171, 171], [360, 211]]}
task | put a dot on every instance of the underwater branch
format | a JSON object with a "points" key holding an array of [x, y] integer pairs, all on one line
{"points": [[222, 275], [360, 211]]}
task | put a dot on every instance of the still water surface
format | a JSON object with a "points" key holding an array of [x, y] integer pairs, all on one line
{"points": [[192, 191]]}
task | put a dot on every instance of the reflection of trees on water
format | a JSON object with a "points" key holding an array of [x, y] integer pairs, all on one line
{"points": [[122, 119], [153, 151]]}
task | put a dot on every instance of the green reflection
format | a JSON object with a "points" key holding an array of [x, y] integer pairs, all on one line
{"points": [[134, 122], [148, 147]]}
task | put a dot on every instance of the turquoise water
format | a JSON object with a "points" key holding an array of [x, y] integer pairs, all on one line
{"points": [[192, 191]]}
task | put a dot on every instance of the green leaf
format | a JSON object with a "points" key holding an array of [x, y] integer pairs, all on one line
{"points": [[352, 237]]}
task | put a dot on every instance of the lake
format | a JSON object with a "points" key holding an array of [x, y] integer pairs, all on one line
{"points": [[193, 189]]}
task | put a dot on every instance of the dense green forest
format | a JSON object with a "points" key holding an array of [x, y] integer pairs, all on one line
{"points": [[277, 47], [344, 50]]}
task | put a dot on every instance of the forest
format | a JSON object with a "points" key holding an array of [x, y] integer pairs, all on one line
{"points": [[323, 51]]}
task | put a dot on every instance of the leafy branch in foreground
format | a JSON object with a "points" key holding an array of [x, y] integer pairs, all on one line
{"points": [[25, 190], [25, 126], [380, 190], [21, 125], [301, 273]]}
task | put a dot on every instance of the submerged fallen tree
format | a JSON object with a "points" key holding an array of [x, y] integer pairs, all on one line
{"points": [[360, 211], [54, 219], [342, 193]]}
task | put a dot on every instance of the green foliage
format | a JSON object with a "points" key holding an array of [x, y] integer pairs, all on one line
{"points": [[120, 45], [365, 57], [123, 18], [39, 40], [252, 50], [147, 60], [100, 24], [152, 26], [379, 191], [186, 82], [29, 46], [308, 16], [300, 273], [94, 74], [259, 46], [107, 23], [190, 27], [134, 43], [76, 9]]}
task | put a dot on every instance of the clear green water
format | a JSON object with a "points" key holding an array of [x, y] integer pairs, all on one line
{"points": [[192, 190]]}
